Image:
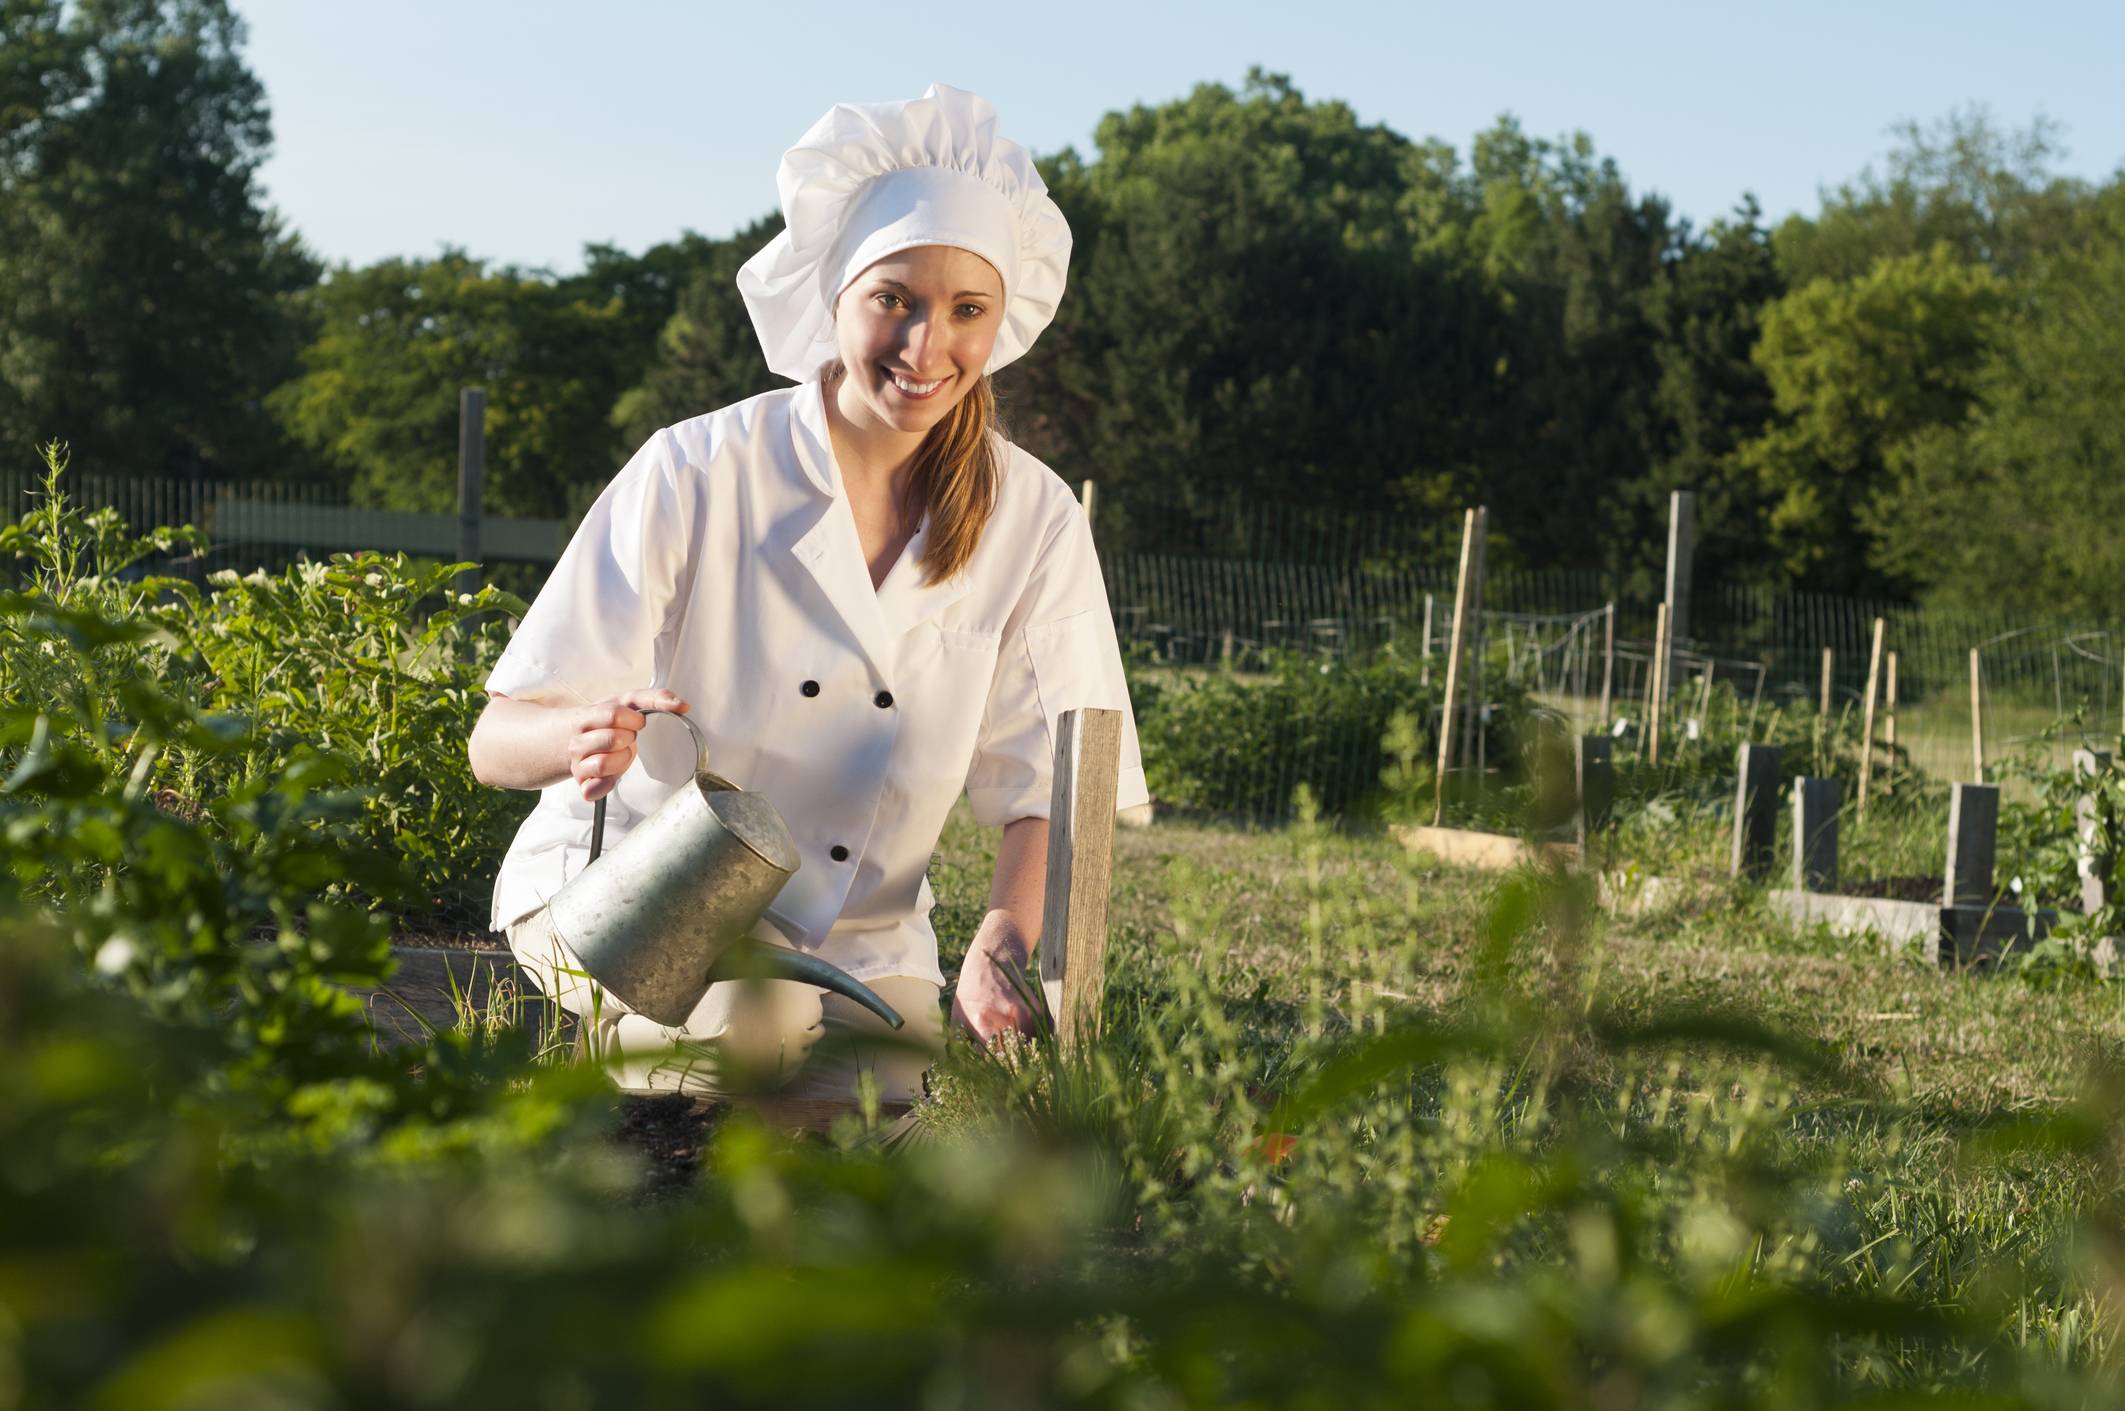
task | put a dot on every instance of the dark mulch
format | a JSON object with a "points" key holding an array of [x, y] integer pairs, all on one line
{"points": [[435, 933], [670, 1131]]}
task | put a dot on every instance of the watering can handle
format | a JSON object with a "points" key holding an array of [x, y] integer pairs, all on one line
{"points": [[597, 816]]}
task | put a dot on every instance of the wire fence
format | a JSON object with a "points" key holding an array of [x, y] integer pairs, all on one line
{"points": [[2036, 685], [1233, 586]]}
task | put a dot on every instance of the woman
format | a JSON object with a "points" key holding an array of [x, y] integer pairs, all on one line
{"points": [[867, 599]]}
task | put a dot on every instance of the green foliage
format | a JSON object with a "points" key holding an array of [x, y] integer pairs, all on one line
{"points": [[375, 662], [1261, 1187]]}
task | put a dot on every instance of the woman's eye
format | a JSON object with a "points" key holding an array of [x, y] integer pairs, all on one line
{"points": [[889, 300], [971, 311]]}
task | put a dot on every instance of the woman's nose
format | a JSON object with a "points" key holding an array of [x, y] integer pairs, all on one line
{"points": [[918, 338]]}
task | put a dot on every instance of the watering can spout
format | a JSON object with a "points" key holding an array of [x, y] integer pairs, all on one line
{"points": [[754, 960]]}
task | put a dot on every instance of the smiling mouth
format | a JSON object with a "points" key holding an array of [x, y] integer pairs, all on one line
{"points": [[913, 390]]}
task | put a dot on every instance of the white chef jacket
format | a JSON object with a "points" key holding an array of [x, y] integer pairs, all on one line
{"points": [[723, 563]]}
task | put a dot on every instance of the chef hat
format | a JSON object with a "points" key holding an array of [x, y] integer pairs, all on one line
{"points": [[871, 179]]}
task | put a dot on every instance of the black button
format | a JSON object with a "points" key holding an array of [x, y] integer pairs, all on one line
{"points": [[810, 688], [883, 700], [839, 853]]}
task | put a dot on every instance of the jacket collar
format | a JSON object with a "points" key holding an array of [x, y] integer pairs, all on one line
{"points": [[832, 552]]}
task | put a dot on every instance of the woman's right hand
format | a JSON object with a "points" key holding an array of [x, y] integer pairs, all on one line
{"points": [[602, 746]]}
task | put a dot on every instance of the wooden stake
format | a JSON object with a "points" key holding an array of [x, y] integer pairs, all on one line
{"points": [[1073, 917], [1453, 661], [1473, 742], [1866, 726], [1086, 492], [1608, 660], [1704, 703], [1822, 718], [1660, 685], [1763, 669], [1977, 722], [1889, 727]]}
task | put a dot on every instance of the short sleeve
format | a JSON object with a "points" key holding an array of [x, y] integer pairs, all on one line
{"points": [[597, 626], [1059, 653]]}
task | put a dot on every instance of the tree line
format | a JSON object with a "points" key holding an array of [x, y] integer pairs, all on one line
{"points": [[1917, 390]]}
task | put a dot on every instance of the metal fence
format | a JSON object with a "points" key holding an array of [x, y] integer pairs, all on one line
{"points": [[268, 523]]}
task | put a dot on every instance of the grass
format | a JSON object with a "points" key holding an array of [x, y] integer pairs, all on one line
{"points": [[1967, 1042]]}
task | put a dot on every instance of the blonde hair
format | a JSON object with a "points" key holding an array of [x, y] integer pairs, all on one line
{"points": [[954, 478]]}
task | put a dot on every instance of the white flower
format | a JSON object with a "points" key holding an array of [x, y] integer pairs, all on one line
{"points": [[464, 600], [374, 580], [116, 955]]}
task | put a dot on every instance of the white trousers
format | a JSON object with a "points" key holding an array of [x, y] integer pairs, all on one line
{"points": [[744, 1035]]}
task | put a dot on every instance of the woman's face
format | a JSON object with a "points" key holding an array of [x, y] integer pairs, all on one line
{"points": [[915, 331]]}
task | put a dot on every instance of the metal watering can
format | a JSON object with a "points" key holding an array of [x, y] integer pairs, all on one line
{"points": [[671, 910]]}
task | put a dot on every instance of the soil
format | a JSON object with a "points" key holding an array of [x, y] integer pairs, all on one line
{"points": [[1926, 889]]}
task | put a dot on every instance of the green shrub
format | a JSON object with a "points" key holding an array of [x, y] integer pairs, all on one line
{"points": [[1240, 746]]}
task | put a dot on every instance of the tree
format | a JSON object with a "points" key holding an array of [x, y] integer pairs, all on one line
{"points": [[1990, 195], [1706, 314], [377, 395], [377, 400], [1248, 319], [706, 355], [145, 293], [1859, 368], [2019, 507]]}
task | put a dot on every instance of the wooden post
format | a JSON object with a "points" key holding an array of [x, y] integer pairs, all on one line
{"points": [[1704, 702], [1973, 827], [1608, 659], [1657, 695], [1425, 679], [1073, 918], [1595, 774], [1763, 669], [1453, 662], [1828, 661], [1087, 492], [1866, 727], [1977, 721], [471, 480], [2095, 869], [1815, 803], [1889, 726], [1755, 810]]}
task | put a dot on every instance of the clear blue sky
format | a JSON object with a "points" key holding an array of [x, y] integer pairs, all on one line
{"points": [[521, 131]]}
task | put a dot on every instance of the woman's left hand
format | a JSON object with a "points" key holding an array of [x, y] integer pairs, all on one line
{"points": [[984, 1002]]}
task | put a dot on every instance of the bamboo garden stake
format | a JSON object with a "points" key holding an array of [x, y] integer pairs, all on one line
{"points": [[1977, 722], [1453, 663], [1866, 726], [1608, 660], [1660, 685]]}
